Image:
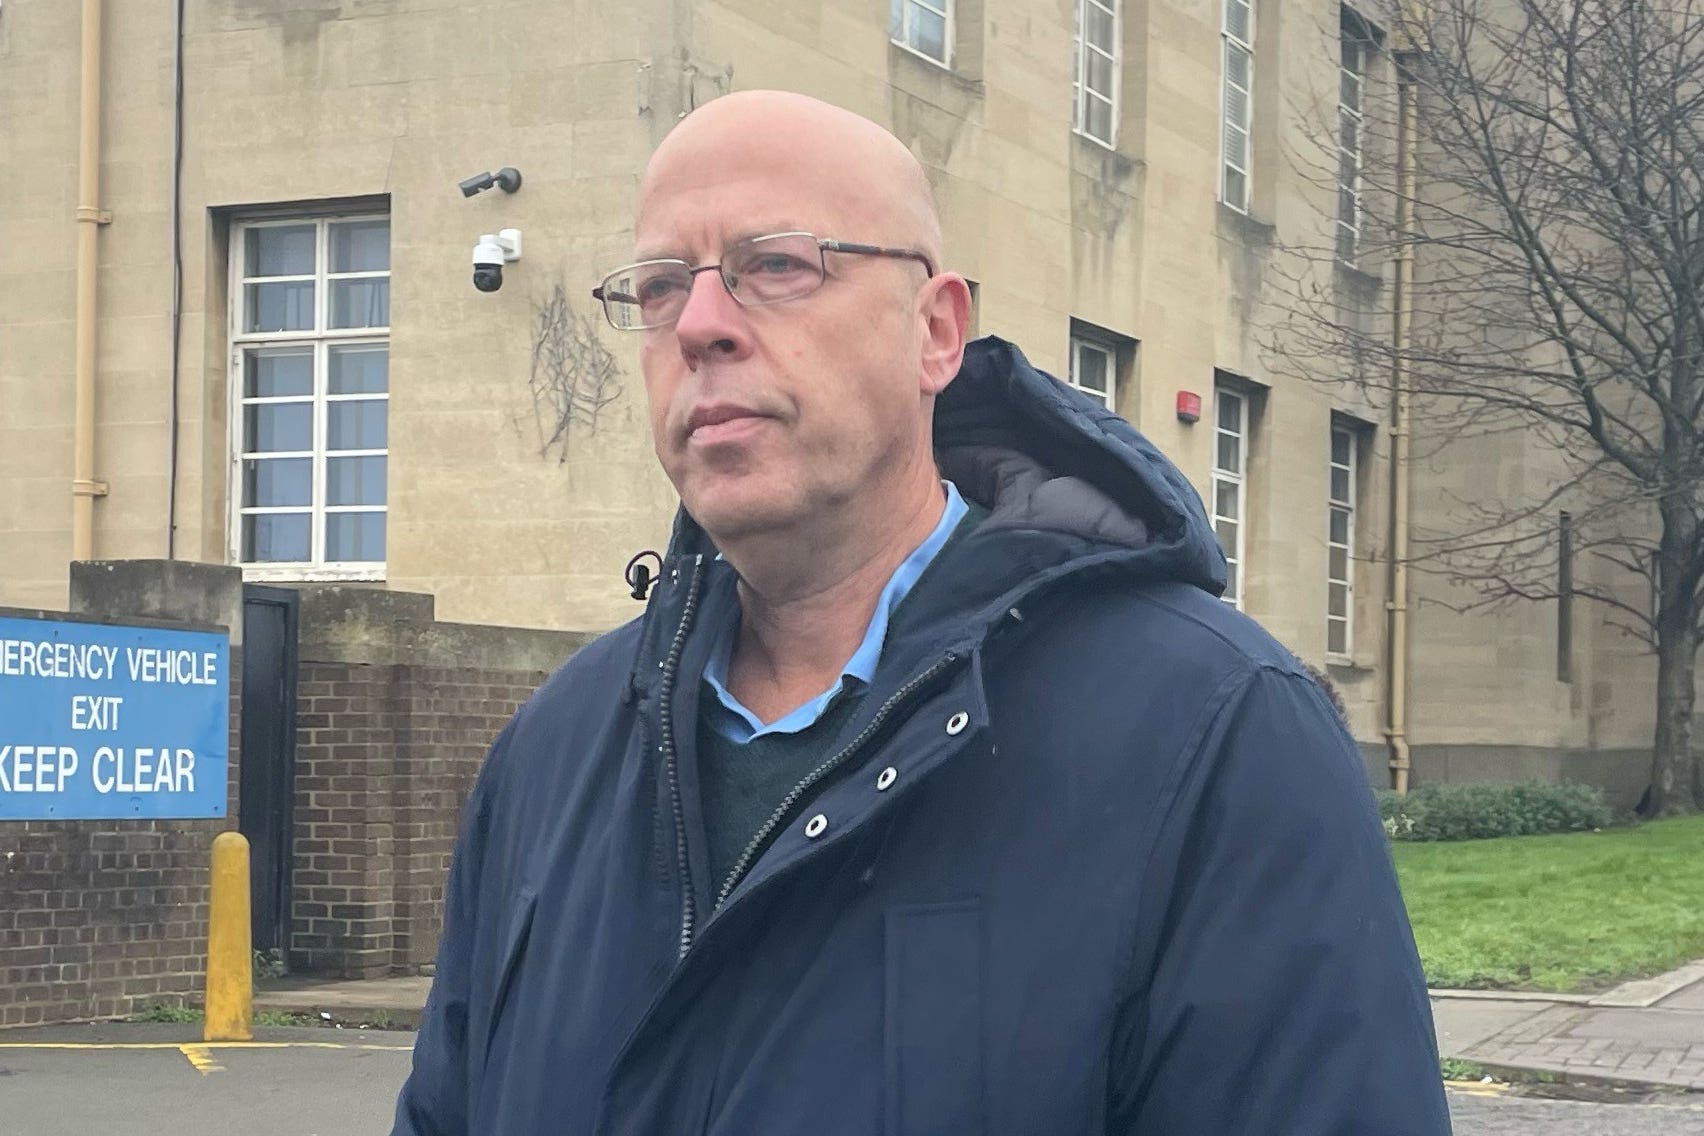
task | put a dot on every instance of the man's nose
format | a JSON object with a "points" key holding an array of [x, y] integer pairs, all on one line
{"points": [[712, 322]]}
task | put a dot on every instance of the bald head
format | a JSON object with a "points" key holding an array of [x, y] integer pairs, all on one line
{"points": [[814, 166], [792, 397]]}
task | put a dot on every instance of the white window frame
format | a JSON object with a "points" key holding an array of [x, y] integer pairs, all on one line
{"points": [[1354, 54], [1231, 43], [1081, 93], [1080, 345], [942, 8], [1345, 506], [319, 338], [1236, 477]]}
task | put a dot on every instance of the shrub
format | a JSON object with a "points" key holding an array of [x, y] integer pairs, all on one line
{"points": [[1479, 812]]}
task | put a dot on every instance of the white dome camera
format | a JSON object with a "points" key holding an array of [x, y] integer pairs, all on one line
{"points": [[490, 253]]}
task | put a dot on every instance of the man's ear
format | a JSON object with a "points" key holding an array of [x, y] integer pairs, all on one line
{"points": [[944, 313]]}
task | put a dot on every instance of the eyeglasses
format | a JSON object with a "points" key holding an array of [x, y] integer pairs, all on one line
{"points": [[762, 270]]}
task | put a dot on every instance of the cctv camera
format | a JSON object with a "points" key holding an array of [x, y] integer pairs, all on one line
{"points": [[487, 264], [490, 253], [508, 179]]}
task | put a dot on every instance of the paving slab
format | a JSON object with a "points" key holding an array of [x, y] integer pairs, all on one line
{"points": [[1544, 996], [1646, 1033], [394, 1001], [1464, 1023], [1657, 990], [1687, 998], [1653, 1028], [1615, 1046]]}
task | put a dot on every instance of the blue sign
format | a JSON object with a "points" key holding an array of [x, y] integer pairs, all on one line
{"points": [[100, 722]]}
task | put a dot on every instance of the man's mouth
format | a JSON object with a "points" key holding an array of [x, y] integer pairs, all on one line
{"points": [[720, 422]]}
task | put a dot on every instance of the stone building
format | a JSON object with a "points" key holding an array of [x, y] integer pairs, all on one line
{"points": [[287, 367]]}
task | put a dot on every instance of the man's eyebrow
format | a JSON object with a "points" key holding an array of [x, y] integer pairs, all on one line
{"points": [[769, 231], [745, 233]]}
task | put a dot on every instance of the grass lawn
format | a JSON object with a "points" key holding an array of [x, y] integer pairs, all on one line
{"points": [[1581, 911]]}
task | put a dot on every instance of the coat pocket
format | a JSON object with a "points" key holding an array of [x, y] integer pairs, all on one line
{"points": [[515, 936], [932, 1023]]}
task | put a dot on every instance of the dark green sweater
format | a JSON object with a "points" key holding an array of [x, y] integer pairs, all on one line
{"points": [[742, 783]]}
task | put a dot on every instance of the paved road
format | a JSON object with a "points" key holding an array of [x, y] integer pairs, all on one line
{"points": [[59, 1082], [304, 1090], [1517, 1116]]}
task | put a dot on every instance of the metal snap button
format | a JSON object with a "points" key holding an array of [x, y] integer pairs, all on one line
{"points": [[816, 826], [887, 778], [957, 723]]}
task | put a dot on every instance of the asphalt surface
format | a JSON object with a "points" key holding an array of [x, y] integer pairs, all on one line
{"points": [[63, 1081], [1518, 1116], [302, 1090]]}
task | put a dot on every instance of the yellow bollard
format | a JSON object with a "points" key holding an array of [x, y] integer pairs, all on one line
{"points": [[230, 962]]}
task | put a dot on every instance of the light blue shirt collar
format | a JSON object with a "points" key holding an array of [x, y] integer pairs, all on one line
{"points": [[740, 725]]}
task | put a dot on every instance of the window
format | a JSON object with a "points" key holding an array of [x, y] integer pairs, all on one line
{"points": [[1094, 69], [1102, 362], [1340, 545], [1351, 85], [310, 353], [923, 26], [1238, 107], [1230, 465], [1093, 366]]}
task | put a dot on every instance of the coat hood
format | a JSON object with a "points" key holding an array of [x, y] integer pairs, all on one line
{"points": [[1043, 456], [1049, 462]]}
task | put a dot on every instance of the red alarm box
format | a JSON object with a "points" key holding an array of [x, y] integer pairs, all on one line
{"points": [[1188, 406]]}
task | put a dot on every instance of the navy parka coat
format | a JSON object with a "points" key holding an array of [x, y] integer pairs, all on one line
{"points": [[1094, 855]]}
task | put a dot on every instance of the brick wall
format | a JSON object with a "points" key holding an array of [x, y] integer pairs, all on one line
{"points": [[395, 713], [385, 758], [453, 716], [100, 923]]}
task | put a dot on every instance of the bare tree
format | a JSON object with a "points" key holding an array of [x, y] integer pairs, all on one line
{"points": [[1537, 177]]}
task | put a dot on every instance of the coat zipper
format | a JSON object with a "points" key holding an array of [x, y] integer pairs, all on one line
{"points": [[671, 763], [743, 864]]}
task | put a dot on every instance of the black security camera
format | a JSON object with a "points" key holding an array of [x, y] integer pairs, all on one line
{"points": [[508, 179]]}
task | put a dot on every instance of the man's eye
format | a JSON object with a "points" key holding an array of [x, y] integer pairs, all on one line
{"points": [[775, 264], [658, 288]]}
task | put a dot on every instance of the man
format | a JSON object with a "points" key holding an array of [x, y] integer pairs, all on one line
{"points": [[935, 791]]}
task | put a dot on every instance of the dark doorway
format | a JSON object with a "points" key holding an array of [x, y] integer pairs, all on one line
{"points": [[268, 758]]}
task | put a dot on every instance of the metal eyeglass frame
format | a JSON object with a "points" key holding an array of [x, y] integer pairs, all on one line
{"points": [[824, 246]]}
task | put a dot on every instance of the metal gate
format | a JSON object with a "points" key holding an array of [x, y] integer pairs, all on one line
{"points": [[267, 759]]}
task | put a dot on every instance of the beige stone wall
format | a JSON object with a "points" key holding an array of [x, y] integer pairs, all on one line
{"points": [[323, 106], [38, 184], [394, 101], [1490, 672]]}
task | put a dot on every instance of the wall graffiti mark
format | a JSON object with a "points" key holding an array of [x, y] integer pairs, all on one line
{"points": [[574, 376]]}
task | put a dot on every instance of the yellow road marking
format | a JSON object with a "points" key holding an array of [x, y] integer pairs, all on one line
{"points": [[199, 1045], [200, 1057]]}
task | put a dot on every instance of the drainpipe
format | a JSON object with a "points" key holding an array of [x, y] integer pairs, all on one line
{"points": [[1396, 729], [84, 487]]}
